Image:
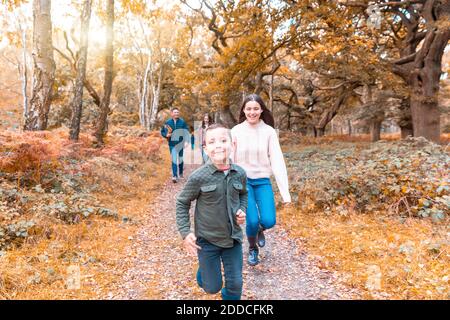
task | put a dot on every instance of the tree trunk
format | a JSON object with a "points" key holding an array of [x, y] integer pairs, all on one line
{"points": [[289, 125], [328, 115], [144, 96], [421, 68], [107, 87], [349, 125], [375, 130], [271, 94], [405, 120], [406, 131], [24, 71], [216, 117], [320, 132], [43, 67], [77, 102], [426, 119], [155, 101], [425, 84], [258, 83], [226, 117]]}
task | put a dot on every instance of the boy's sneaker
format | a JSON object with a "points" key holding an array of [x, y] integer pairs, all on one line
{"points": [[174, 179], [260, 238], [253, 259]]}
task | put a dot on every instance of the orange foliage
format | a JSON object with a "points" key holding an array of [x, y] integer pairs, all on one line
{"points": [[132, 147], [36, 152], [30, 152]]}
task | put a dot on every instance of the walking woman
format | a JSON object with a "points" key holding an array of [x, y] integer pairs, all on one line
{"points": [[206, 122], [258, 152]]}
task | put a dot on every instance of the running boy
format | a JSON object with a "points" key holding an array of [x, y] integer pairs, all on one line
{"points": [[219, 187]]}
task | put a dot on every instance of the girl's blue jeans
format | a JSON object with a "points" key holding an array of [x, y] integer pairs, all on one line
{"points": [[261, 206], [209, 274]]}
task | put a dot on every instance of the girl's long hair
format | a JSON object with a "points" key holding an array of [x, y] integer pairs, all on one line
{"points": [[209, 118], [266, 115]]}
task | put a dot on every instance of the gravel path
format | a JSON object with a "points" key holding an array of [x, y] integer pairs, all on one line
{"points": [[158, 268]]}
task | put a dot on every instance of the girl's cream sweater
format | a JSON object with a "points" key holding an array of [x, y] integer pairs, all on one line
{"points": [[258, 152]]}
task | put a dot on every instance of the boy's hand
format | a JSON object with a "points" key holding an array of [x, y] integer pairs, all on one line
{"points": [[190, 245], [240, 216]]}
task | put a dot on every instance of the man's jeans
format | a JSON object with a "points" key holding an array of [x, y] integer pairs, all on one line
{"points": [[177, 160], [209, 274]]}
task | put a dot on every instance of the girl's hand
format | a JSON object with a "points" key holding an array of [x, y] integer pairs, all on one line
{"points": [[190, 245], [240, 216]]}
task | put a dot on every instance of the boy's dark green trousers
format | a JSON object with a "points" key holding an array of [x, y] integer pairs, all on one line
{"points": [[209, 274]]}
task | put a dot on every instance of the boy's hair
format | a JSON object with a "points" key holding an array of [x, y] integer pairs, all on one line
{"points": [[174, 108], [217, 126]]}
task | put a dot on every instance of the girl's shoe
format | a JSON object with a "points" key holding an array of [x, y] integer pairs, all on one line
{"points": [[261, 239], [253, 259]]}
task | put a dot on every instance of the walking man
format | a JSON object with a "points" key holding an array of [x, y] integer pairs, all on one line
{"points": [[176, 131]]}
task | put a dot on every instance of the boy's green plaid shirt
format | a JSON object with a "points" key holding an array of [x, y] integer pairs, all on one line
{"points": [[219, 197]]}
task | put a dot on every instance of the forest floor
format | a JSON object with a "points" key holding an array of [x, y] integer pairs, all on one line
{"points": [[129, 248]]}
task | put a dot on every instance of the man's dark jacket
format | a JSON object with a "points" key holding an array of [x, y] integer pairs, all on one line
{"points": [[180, 131]]}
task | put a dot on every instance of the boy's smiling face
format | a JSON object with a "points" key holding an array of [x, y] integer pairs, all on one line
{"points": [[218, 145]]}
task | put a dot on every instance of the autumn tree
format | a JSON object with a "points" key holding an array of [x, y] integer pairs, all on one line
{"points": [[77, 101], [16, 28], [421, 30], [334, 43], [43, 67], [242, 35], [108, 80], [151, 36]]}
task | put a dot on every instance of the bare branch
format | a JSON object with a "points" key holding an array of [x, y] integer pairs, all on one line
{"points": [[68, 47], [407, 59], [93, 93], [384, 4]]}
